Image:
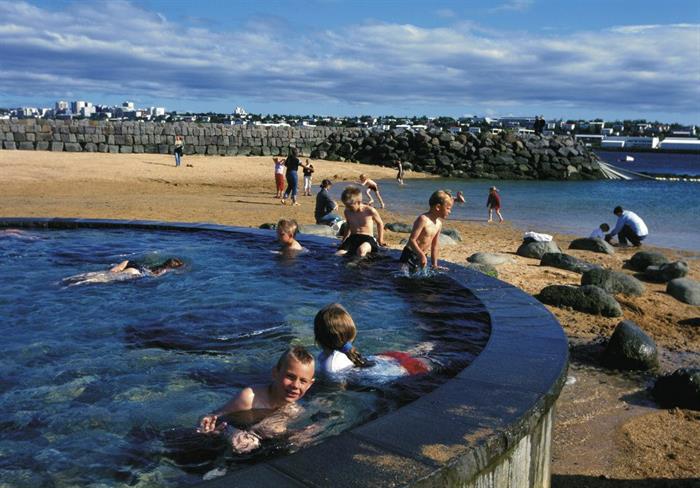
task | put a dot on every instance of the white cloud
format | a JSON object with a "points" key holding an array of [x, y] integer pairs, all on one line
{"points": [[513, 5], [119, 49]]}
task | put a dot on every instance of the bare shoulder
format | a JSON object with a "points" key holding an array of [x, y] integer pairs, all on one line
{"points": [[246, 398]]}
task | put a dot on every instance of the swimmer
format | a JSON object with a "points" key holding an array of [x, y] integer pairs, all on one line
{"points": [[459, 198], [291, 379], [286, 235], [425, 236], [125, 270], [335, 332]]}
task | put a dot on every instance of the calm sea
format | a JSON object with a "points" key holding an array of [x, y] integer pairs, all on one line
{"points": [[670, 209]]}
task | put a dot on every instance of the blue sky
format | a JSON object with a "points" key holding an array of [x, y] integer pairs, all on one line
{"points": [[571, 59]]}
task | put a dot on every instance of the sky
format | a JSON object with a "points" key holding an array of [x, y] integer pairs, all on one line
{"points": [[613, 59]]}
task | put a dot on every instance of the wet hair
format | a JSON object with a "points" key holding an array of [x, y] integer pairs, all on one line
{"points": [[169, 263], [351, 194], [326, 183], [288, 226], [440, 197], [333, 328], [297, 352], [604, 227], [618, 210]]}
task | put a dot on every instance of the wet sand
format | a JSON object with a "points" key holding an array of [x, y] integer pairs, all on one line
{"points": [[608, 431]]}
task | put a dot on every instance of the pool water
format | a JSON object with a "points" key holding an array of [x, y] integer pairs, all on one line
{"points": [[102, 384]]}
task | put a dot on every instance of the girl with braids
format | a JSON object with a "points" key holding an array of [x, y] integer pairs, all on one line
{"points": [[335, 332]]}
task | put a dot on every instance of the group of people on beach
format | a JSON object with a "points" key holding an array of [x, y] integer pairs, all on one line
{"points": [[629, 227]]}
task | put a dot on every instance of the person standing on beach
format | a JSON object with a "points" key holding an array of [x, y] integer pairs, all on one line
{"points": [[308, 177], [399, 175], [179, 143], [629, 226], [279, 176], [493, 203], [292, 163]]}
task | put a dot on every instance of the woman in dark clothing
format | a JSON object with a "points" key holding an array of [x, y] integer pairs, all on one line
{"points": [[493, 203], [292, 164]]}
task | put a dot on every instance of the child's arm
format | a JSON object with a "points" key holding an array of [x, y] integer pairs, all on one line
{"points": [[380, 227], [242, 401], [119, 267], [418, 227]]}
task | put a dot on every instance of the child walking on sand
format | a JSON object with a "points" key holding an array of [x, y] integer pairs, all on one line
{"points": [[494, 203], [358, 239], [371, 186], [291, 378], [335, 332], [425, 235], [308, 176], [286, 235]]}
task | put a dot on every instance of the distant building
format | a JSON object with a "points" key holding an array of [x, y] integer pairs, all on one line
{"points": [[475, 130], [77, 106], [240, 111], [630, 142], [62, 106], [128, 106], [683, 143], [684, 132], [590, 139]]}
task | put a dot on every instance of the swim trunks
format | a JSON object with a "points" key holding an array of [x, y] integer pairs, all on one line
{"points": [[354, 241], [409, 256]]}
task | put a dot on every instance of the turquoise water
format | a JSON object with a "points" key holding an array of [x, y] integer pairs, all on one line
{"points": [[102, 384], [670, 209]]}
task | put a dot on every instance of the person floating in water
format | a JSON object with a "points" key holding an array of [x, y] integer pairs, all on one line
{"points": [[286, 235], [125, 270], [425, 236], [371, 186], [358, 238], [335, 332], [291, 379]]}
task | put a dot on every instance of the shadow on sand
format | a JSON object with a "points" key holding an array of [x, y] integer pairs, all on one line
{"points": [[582, 481]]}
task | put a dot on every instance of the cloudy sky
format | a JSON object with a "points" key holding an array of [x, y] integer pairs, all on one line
{"points": [[598, 58]]}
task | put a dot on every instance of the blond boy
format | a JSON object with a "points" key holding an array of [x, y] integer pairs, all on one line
{"points": [[425, 236], [291, 378], [358, 239], [371, 186], [286, 235]]}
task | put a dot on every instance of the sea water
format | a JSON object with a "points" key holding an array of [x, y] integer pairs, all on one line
{"points": [[102, 384]]}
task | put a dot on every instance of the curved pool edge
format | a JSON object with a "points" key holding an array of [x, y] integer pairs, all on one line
{"points": [[489, 426]]}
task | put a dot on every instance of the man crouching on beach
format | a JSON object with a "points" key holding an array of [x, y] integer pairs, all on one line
{"points": [[358, 239], [291, 378], [425, 235]]}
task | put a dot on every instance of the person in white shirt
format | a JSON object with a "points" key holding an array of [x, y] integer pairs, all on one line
{"points": [[600, 231], [629, 226]]}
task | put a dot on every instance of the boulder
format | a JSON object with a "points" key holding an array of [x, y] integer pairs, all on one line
{"points": [[486, 269], [489, 258], [595, 245], [613, 281], [453, 234], [642, 259], [536, 249], [443, 240], [268, 225], [399, 227], [630, 348], [317, 230], [684, 290], [588, 298], [666, 272], [566, 261], [678, 389]]}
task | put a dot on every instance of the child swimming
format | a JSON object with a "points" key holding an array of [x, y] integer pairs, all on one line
{"points": [[291, 379], [126, 270], [335, 332]]}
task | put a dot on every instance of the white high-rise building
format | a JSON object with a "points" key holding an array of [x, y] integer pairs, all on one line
{"points": [[61, 106], [128, 105], [77, 106]]}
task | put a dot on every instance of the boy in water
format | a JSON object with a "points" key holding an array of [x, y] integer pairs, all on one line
{"points": [[286, 235], [291, 378], [371, 186], [358, 239], [425, 235]]}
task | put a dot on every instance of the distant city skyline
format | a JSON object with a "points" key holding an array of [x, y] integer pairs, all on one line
{"points": [[610, 59]]}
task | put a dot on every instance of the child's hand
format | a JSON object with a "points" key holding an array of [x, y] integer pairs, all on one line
{"points": [[423, 261], [382, 243], [440, 268], [207, 424], [243, 441]]}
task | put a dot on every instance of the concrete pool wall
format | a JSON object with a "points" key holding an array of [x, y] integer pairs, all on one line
{"points": [[489, 426]]}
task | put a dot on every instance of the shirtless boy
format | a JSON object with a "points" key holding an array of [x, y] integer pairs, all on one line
{"points": [[291, 378], [371, 186], [358, 239], [426, 233], [286, 235]]}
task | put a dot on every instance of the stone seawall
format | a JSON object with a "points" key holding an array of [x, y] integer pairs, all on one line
{"points": [[496, 156]]}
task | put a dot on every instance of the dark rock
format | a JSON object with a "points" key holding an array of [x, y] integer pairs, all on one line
{"points": [[268, 226], [684, 290], [613, 281], [566, 261], [666, 272], [588, 298], [679, 389], [399, 227], [486, 269], [642, 259], [537, 249], [595, 245], [453, 234], [489, 258], [630, 348]]}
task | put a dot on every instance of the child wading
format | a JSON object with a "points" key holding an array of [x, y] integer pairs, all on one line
{"points": [[425, 236], [358, 239]]}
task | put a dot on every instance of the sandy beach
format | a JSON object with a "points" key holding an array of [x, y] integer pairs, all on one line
{"points": [[607, 433]]}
